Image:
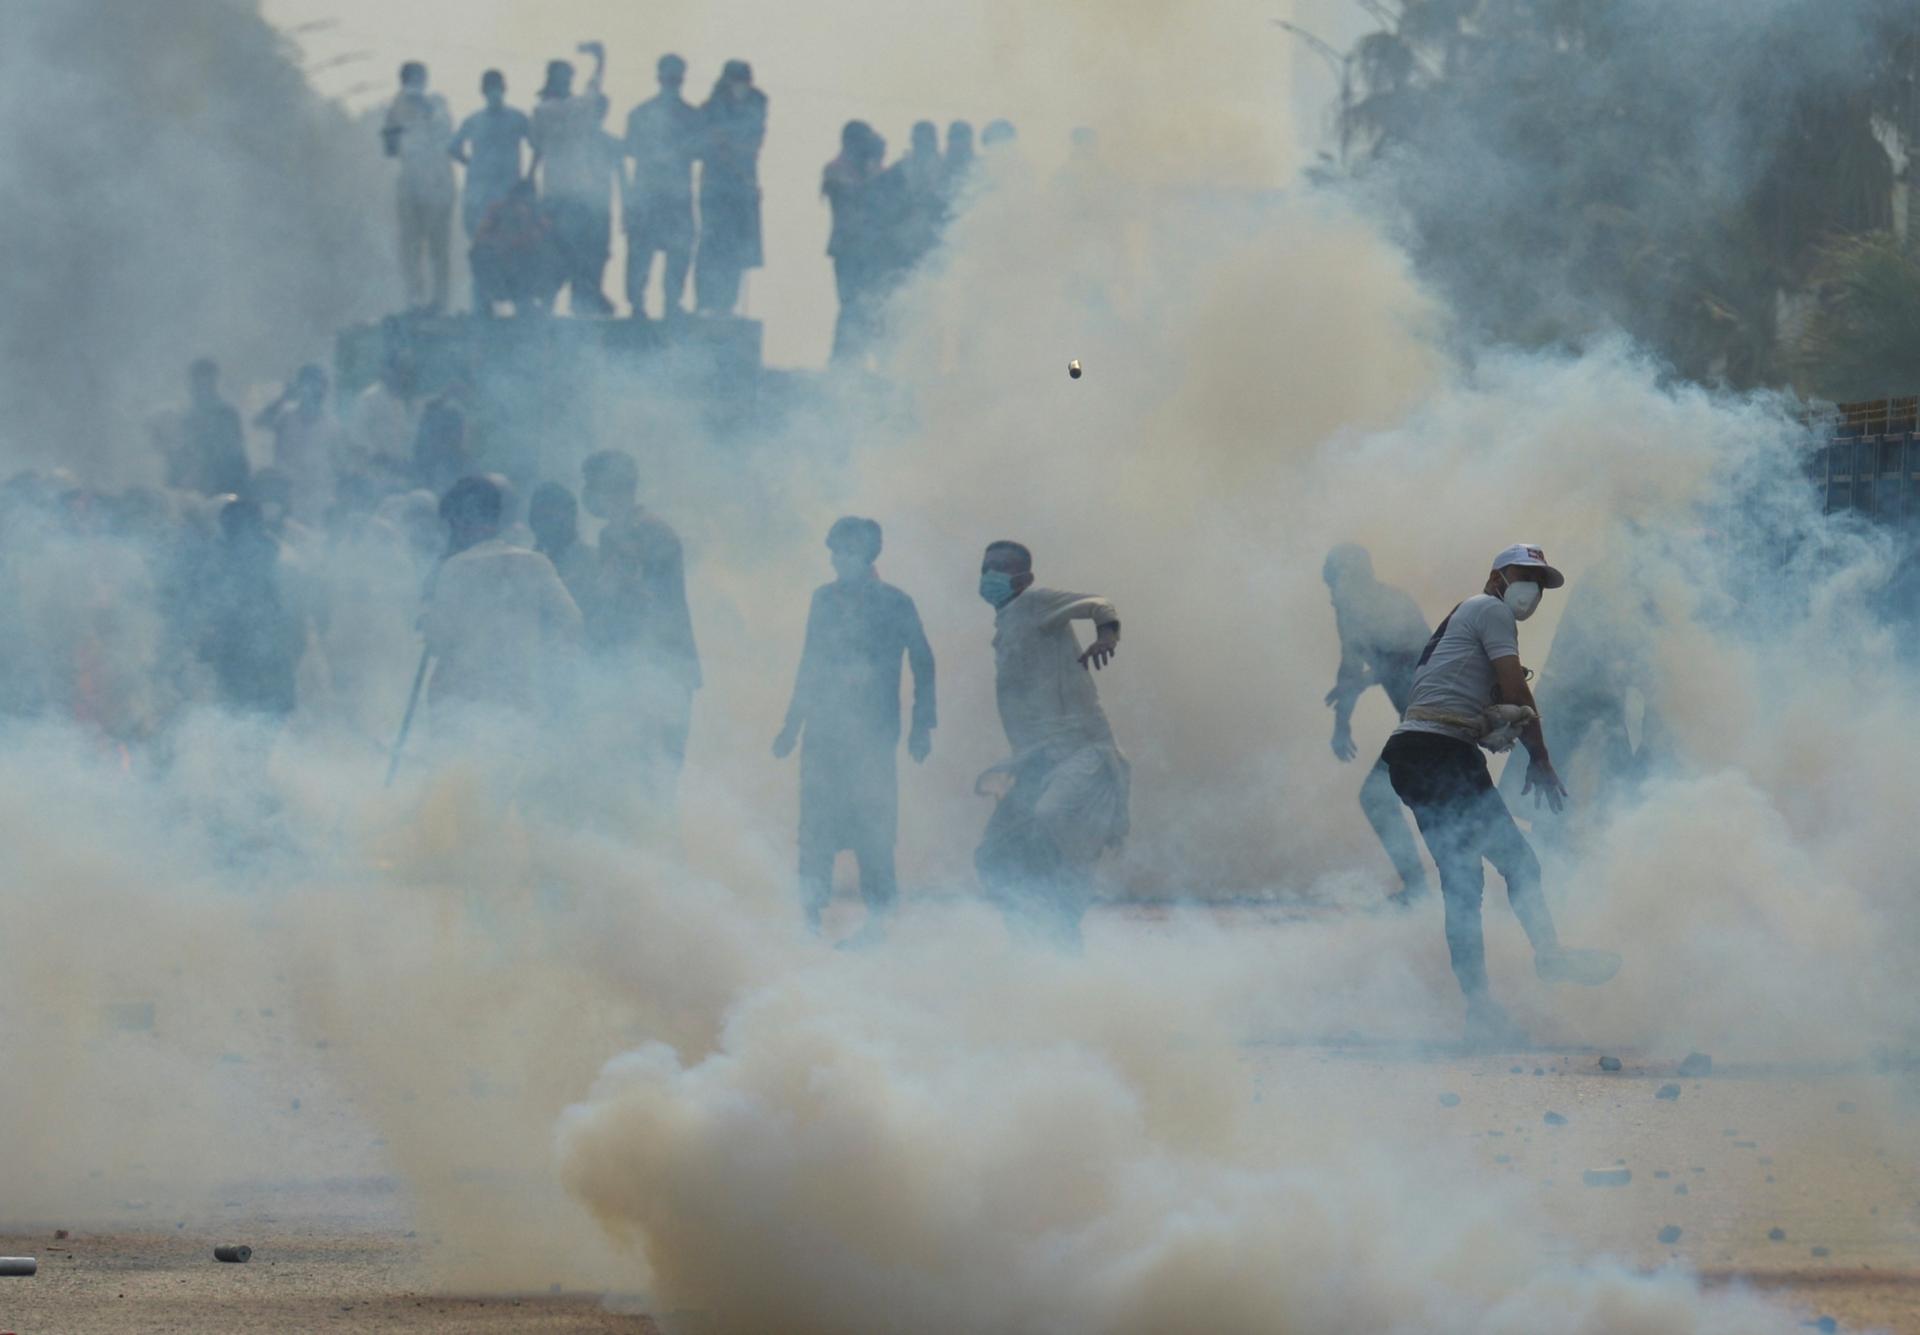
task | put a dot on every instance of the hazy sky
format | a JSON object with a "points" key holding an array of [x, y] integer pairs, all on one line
{"points": [[1048, 68]]}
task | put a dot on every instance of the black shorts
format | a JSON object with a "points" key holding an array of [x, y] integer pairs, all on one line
{"points": [[1429, 770]]}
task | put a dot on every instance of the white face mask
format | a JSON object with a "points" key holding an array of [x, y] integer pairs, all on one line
{"points": [[1523, 596]]}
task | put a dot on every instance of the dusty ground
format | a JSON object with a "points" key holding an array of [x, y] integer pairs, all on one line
{"points": [[1817, 1155]]}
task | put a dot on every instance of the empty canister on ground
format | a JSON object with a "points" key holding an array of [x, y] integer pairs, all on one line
{"points": [[238, 1254], [18, 1266]]}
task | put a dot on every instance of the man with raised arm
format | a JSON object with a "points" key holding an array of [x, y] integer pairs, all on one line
{"points": [[1063, 792]]}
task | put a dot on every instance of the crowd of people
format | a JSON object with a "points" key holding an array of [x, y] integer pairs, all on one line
{"points": [[537, 201], [259, 592]]}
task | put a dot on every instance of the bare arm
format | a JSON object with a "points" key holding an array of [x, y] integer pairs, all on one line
{"points": [[1511, 678]]}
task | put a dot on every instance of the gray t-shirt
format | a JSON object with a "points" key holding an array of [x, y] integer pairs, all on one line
{"points": [[1455, 676]]}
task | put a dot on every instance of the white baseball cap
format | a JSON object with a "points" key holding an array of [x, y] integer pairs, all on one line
{"points": [[1530, 556]]}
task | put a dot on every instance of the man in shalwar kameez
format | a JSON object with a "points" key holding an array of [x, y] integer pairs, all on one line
{"points": [[846, 702], [1063, 793]]}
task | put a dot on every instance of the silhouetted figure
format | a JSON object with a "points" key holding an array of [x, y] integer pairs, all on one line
{"points": [[920, 197], [576, 174], [204, 450], [308, 443], [663, 142], [846, 715], [441, 456], [854, 190], [554, 516], [733, 125], [383, 418], [1381, 635], [959, 163], [252, 636], [1063, 793], [488, 144], [416, 131], [638, 619], [516, 257], [497, 617]]}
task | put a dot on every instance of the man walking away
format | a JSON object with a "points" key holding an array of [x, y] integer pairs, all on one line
{"points": [[416, 132], [497, 614], [663, 142], [554, 516], [1063, 793], [1381, 636], [846, 706], [1469, 691], [641, 626]]}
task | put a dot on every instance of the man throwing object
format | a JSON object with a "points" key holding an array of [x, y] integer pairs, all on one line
{"points": [[1469, 691]]}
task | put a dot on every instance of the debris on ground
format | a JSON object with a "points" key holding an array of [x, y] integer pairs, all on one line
{"points": [[1449, 1100], [1609, 1063], [1825, 1324], [1680, 1190], [18, 1267], [1554, 1119], [1670, 1234], [59, 1234], [1776, 1235], [233, 1254], [1696, 1063], [1662, 1173], [1668, 1092], [1607, 1177], [1822, 1252]]}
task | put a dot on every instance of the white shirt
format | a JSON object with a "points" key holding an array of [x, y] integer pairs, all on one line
{"points": [[497, 619], [1455, 676], [1047, 700], [426, 127]]}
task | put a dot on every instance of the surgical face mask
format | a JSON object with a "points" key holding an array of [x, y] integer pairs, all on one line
{"points": [[996, 586], [1523, 596]]}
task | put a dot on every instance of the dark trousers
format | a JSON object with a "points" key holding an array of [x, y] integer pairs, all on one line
{"points": [[1381, 805], [641, 247], [584, 229], [1446, 783]]}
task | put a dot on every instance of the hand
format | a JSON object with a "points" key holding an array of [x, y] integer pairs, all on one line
{"points": [[783, 744], [1545, 786], [1333, 698], [1343, 747], [995, 783], [920, 745], [594, 49], [1101, 651]]}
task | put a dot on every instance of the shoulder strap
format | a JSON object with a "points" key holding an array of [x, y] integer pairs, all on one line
{"points": [[1439, 631]]}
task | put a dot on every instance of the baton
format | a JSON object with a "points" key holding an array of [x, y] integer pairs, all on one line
{"points": [[406, 722]]}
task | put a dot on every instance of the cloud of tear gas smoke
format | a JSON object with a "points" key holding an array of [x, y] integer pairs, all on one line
{"points": [[954, 1133], [173, 187]]}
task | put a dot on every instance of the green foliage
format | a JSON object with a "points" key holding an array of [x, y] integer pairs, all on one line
{"points": [[1571, 169], [1863, 340]]}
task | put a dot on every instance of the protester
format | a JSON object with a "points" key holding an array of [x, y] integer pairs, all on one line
{"points": [[516, 258], [845, 715], [383, 419], [1381, 636], [488, 144], [416, 131], [663, 142], [554, 516], [641, 628], [854, 187], [253, 634], [1063, 792], [734, 122], [1469, 691], [203, 449], [576, 173], [498, 619], [308, 443]]}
